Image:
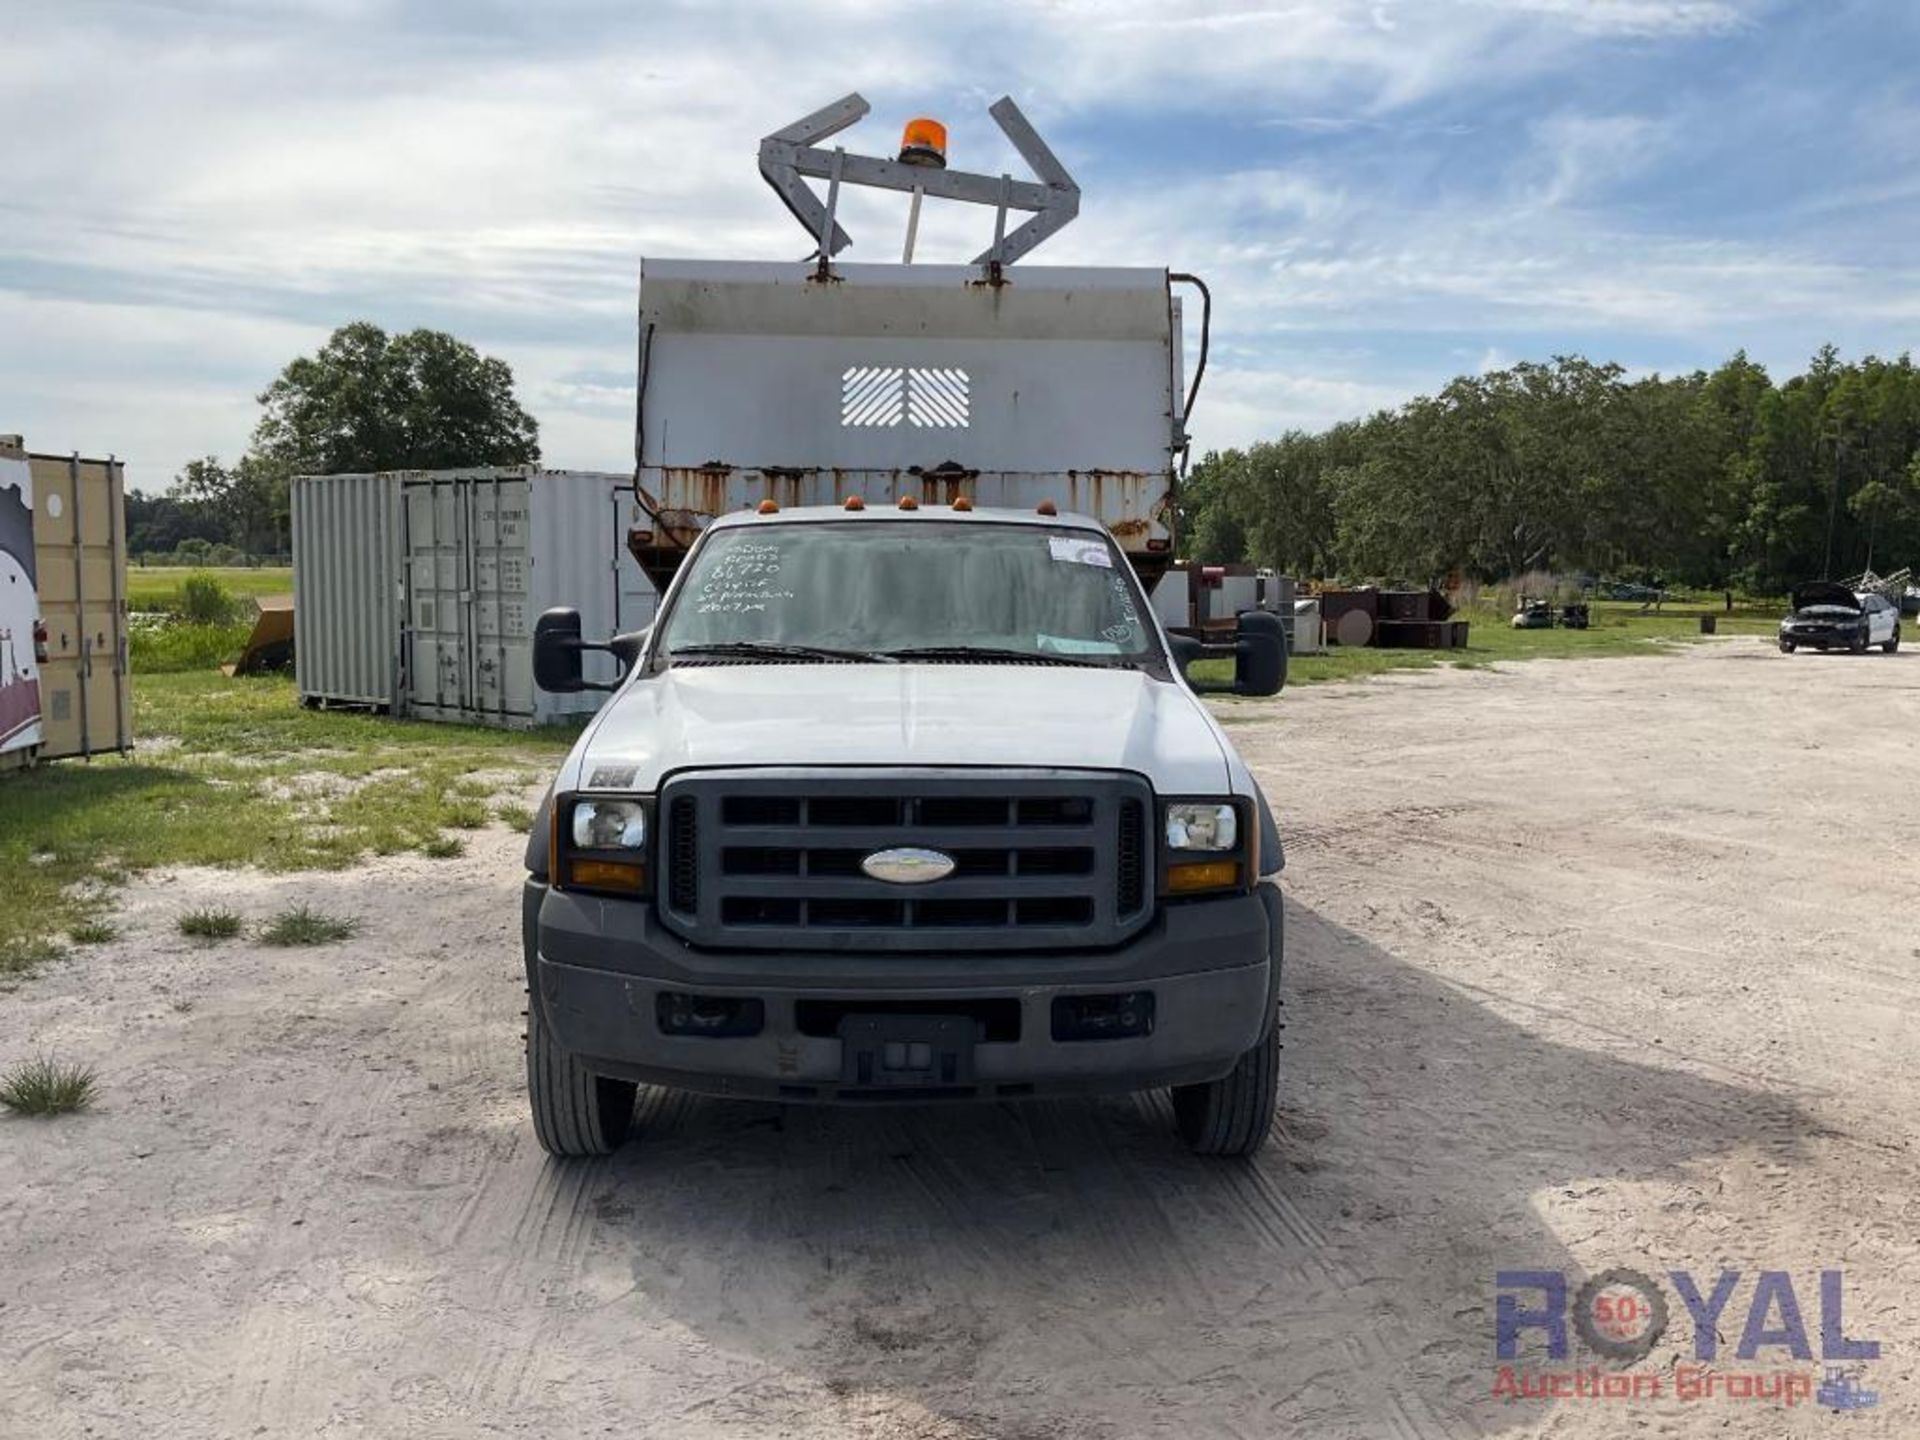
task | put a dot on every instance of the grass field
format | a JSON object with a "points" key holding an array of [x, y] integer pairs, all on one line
{"points": [[153, 587], [234, 772]]}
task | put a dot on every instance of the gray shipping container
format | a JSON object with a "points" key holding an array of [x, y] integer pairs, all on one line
{"points": [[476, 556], [346, 578]]}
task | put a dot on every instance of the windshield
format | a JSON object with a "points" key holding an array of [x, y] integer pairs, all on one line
{"points": [[883, 587]]}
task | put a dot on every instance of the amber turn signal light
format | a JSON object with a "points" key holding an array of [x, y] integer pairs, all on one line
{"points": [[1184, 877], [619, 875]]}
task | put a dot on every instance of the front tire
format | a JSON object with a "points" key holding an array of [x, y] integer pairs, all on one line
{"points": [[1893, 644], [1231, 1116], [1786, 647], [576, 1113]]}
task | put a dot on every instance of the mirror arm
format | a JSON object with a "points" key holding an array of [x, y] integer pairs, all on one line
{"points": [[578, 646]]}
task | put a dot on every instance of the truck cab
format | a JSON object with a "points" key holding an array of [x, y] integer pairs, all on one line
{"points": [[906, 794]]}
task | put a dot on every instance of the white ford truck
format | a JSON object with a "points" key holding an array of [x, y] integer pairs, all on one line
{"points": [[905, 795]]}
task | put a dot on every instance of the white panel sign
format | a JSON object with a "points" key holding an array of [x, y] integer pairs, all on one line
{"points": [[19, 610]]}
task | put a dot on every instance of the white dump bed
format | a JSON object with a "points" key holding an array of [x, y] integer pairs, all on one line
{"points": [[765, 381]]}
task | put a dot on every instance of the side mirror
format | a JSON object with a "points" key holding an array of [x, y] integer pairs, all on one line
{"points": [[627, 647], [556, 652], [1259, 654], [1185, 650]]}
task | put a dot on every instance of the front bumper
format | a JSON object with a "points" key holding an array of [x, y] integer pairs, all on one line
{"points": [[1823, 639], [597, 968]]}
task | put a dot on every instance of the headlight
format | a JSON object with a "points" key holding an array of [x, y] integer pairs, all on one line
{"points": [[600, 844], [1209, 848], [1202, 825], [609, 825]]}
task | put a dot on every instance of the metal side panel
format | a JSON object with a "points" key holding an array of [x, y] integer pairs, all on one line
{"points": [[346, 554], [436, 606]]}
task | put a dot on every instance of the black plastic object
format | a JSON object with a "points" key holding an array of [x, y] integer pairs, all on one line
{"points": [[1103, 1017], [906, 1051]]}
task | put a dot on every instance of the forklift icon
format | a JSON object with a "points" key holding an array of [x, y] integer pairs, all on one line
{"points": [[1842, 1390]]}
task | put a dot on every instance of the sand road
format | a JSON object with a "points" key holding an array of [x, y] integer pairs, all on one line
{"points": [[1592, 964]]}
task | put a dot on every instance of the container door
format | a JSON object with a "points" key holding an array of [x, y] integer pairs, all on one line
{"points": [[19, 611], [80, 555], [502, 627], [437, 571]]}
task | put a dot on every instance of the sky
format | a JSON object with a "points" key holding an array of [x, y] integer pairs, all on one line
{"points": [[1381, 193]]}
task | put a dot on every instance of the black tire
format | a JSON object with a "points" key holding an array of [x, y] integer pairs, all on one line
{"points": [[1231, 1116], [1786, 647], [1859, 645], [575, 1112], [1894, 644]]}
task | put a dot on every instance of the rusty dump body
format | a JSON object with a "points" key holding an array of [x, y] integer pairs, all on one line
{"points": [[767, 381]]}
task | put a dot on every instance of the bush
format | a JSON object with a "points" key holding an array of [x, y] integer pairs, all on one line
{"points": [[304, 926], [46, 1087], [202, 600], [210, 924], [167, 646]]}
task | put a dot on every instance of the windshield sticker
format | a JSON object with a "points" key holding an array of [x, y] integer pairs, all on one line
{"points": [[1077, 551], [744, 580], [1067, 645]]}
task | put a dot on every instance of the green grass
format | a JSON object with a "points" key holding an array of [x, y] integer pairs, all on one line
{"points": [[226, 790], [154, 587], [91, 932], [466, 814], [514, 816], [167, 646], [304, 926], [443, 847], [47, 1087], [209, 924]]}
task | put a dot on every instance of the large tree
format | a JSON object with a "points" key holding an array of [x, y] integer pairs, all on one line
{"points": [[370, 401]]}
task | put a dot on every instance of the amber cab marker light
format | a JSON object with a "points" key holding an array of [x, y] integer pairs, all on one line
{"points": [[607, 875], [907, 502], [769, 507], [924, 142], [854, 502], [1047, 507], [1183, 877], [963, 504]]}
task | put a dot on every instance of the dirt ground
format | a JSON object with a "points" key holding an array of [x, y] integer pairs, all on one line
{"points": [[1592, 964]]}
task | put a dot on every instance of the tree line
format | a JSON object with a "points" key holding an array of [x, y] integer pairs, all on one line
{"points": [[1710, 479], [365, 401]]}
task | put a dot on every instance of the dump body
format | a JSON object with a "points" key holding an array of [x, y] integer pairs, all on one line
{"points": [[762, 381]]}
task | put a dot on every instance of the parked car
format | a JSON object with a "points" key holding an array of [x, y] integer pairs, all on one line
{"points": [[1827, 616]]}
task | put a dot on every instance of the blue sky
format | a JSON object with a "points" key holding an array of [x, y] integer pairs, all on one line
{"points": [[1382, 193]]}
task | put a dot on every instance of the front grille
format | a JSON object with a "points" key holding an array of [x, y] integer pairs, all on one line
{"points": [[1043, 859]]}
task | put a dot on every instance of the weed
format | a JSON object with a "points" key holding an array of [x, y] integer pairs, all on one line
{"points": [[91, 932], [514, 817], [210, 924], [23, 954], [466, 814], [304, 926], [47, 1087], [203, 600], [444, 847]]}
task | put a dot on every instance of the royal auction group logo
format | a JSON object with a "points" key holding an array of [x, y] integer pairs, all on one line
{"points": [[1619, 1315]]}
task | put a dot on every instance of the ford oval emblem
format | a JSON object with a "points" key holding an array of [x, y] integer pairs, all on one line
{"points": [[908, 866]]}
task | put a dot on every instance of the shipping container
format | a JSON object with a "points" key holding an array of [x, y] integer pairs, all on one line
{"points": [[346, 595], [421, 588], [64, 651]]}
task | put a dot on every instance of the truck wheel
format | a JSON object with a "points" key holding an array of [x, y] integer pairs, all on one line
{"points": [[1786, 647], [1894, 643], [575, 1112], [1231, 1116]]}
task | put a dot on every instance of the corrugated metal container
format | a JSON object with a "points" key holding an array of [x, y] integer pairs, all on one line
{"points": [[487, 552], [426, 585], [79, 579], [346, 589]]}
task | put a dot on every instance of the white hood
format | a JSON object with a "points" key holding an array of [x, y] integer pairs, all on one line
{"points": [[699, 716]]}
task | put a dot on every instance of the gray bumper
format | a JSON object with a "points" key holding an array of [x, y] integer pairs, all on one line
{"points": [[597, 968]]}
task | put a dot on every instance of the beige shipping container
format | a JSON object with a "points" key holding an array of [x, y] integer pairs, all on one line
{"points": [[80, 555]]}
